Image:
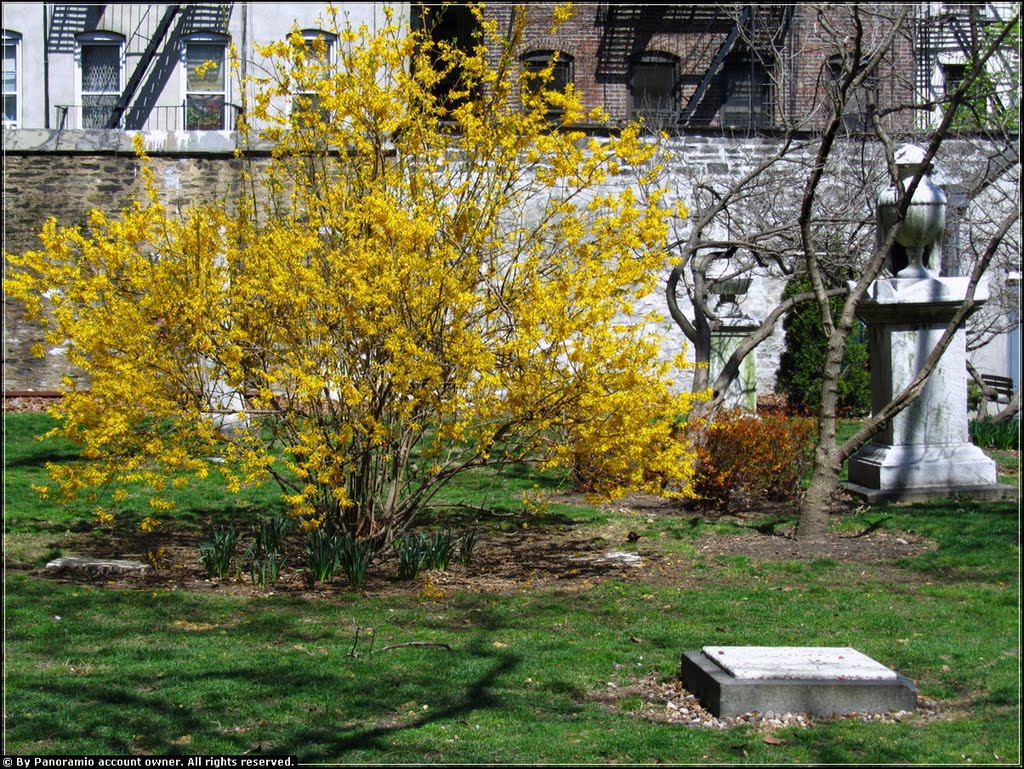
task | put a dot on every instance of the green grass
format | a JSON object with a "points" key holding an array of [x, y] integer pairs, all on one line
{"points": [[94, 669]]}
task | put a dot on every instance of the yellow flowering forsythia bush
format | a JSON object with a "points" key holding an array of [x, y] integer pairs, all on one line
{"points": [[419, 284], [764, 457]]}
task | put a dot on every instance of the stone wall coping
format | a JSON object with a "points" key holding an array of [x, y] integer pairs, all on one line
{"points": [[27, 141], [185, 143]]}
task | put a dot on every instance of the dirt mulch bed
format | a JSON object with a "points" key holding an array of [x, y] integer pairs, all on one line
{"points": [[29, 402], [543, 557], [549, 556]]}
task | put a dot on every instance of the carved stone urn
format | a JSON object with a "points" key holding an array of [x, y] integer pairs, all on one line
{"points": [[920, 232]]}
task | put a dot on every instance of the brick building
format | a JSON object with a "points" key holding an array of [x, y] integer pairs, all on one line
{"points": [[682, 66], [731, 66]]}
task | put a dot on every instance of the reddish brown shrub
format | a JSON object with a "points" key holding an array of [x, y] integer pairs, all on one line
{"points": [[762, 457]]}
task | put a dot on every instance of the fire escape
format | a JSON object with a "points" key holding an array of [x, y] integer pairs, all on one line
{"points": [[715, 31], [142, 67], [949, 38], [149, 31]]}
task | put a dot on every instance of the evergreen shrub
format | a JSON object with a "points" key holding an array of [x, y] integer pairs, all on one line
{"points": [[803, 359]]}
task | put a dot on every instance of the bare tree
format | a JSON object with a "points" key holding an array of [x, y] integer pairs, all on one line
{"points": [[750, 227], [808, 206], [829, 456]]}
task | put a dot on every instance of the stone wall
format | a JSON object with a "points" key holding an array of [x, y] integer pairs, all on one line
{"points": [[66, 175]]}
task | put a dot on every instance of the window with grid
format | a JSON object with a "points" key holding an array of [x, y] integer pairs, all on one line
{"points": [[101, 70], [653, 92], [746, 94], [319, 51], [12, 85], [561, 64], [205, 84]]}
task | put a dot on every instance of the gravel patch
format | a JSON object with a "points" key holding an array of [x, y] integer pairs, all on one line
{"points": [[670, 702]]}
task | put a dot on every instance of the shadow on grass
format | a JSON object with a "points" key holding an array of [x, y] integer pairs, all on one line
{"points": [[132, 716], [123, 673], [44, 456], [477, 696], [973, 536]]}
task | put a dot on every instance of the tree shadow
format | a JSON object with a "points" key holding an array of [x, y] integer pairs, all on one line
{"points": [[160, 722], [478, 696]]}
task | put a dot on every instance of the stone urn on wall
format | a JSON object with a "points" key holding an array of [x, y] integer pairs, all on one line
{"points": [[920, 233], [733, 327]]}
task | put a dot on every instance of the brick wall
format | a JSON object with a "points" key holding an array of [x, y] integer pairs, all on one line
{"points": [[602, 40]]}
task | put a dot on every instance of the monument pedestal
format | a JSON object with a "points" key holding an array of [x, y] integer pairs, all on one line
{"points": [[742, 392], [925, 451]]}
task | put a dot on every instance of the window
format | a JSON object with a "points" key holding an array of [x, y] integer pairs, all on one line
{"points": [[859, 103], [452, 24], [746, 99], [953, 75], [653, 89], [561, 74], [12, 72], [979, 103], [101, 66], [319, 50], [205, 83]]}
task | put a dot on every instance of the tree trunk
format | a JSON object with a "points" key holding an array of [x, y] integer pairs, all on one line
{"points": [[1012, 409], [814, 507], [698, 332]]}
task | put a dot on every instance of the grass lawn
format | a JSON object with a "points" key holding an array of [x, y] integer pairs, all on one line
{"points": [[544, 647]]}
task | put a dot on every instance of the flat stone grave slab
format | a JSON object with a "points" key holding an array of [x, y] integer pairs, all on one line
{"points": [[99, 567], [732, 680]]}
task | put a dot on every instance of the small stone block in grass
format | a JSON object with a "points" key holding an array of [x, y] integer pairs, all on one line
{"points": [[733, 680], [98, 567]]}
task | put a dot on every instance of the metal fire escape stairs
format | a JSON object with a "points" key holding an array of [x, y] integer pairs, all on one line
{"points": [[142, 67], [963, 39], [618, 41], [743, 22], [943, 32]]}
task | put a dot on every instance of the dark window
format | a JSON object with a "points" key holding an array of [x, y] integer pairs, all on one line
{"points": [[653, 91], [561, 73], [746, 90], [454, 24], [860, 101], [953, 75]]}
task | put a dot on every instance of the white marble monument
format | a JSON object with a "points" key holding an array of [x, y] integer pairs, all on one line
{"points": [[732, 680], [925, 450]]}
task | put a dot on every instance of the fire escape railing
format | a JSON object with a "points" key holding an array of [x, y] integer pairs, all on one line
{"points": [[716, 65], [143, 66]]}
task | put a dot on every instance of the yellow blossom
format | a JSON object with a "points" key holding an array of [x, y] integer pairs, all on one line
{"points": [[413, 284]]}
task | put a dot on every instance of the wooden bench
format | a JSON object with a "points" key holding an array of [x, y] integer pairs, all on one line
{"points": [[1001, 388]]}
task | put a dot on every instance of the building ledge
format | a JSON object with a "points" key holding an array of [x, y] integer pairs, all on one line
{"points": [[118, 142]]}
